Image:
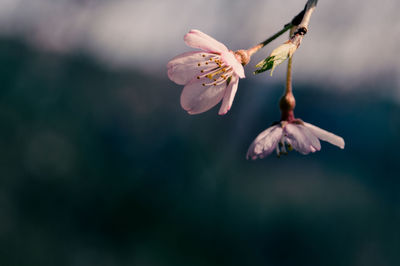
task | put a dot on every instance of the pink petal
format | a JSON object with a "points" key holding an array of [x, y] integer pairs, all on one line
{"points": [[184, 67], [326, 136], [301, 138], [230, 59], [200, 40], [315, 145], [196, 98], [229, 95], [265, 142]]}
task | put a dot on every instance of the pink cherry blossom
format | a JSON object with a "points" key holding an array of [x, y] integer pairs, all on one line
{"points": [[288, 135], [209, 76]]}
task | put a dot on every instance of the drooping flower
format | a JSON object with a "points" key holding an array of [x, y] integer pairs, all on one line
{"points": [[209, 76], [287, 135]]}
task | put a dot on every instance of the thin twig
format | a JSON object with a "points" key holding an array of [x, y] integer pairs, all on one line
{"points": [[289, 69], [302, 27], [254, 49], [300, 22]]}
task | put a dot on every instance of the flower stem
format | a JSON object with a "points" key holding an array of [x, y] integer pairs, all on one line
{"points": [[254, 49], [289, 68], [288, 102], [289, 76]]}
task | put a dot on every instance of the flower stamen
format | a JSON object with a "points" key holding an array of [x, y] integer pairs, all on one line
{"points": [[289, 146], [219, 81]]}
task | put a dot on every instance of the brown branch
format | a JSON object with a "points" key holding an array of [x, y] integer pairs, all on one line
{"points": [[302, 27], [301, 20]]}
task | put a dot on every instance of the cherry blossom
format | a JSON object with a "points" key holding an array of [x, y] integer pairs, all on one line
{"points": [[288, 135], [209, 75]]}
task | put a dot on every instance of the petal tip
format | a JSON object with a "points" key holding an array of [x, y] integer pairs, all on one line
{"points": [[224, 112], [191, 112], [342, 144]]}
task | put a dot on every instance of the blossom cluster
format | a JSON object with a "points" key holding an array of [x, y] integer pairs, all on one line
{"points": [[211, 75]]}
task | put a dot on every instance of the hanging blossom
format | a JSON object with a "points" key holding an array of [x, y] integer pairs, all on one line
{"points": [[209, 76], [288, 135]]}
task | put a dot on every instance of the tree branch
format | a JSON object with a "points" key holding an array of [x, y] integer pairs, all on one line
{"points": [[302, 27]]}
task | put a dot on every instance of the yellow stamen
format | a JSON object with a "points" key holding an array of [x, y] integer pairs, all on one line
{"points": [[211, 75]]}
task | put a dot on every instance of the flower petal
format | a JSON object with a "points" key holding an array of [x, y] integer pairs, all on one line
{"points": [[229, 95], [265, 142], [185, 67], [230, 59], [196, 98], [326, 136], [200, 40], [301, 138]]}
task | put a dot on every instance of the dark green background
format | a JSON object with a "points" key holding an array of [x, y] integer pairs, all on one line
{"points": [[103, 167]]}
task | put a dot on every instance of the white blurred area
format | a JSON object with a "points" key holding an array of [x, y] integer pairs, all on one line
{"points": [[348, 41]]}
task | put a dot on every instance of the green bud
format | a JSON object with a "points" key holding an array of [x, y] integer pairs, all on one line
{"points": [[278, 56]]}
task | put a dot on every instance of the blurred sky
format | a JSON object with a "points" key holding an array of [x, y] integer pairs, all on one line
{"points": [[348, 42]]}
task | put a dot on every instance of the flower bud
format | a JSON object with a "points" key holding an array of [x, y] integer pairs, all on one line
{"points": [[277, 56]]}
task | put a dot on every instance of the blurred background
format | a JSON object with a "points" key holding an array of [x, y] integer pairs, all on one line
{"points": [[99, 165]]}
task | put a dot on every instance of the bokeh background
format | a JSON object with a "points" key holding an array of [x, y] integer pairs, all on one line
{"points": [[99, 165]]}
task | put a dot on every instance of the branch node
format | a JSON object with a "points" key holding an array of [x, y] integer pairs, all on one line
{"points": [[301, 31]]}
